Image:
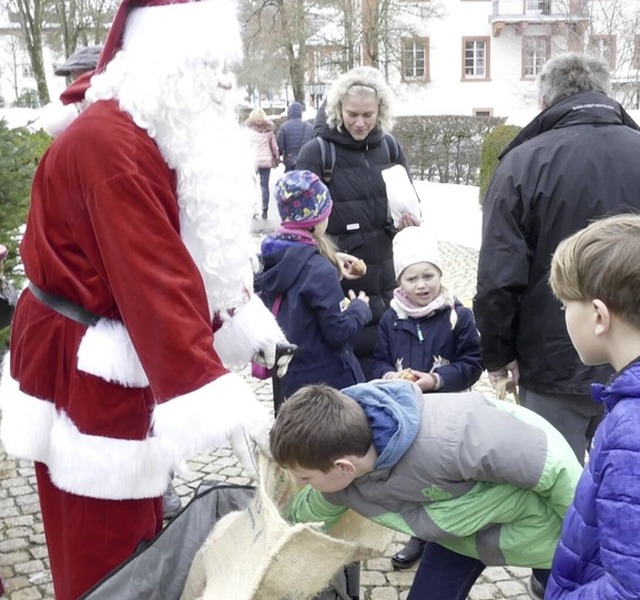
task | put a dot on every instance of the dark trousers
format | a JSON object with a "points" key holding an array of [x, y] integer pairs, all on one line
{"points": [[446, 575], [264, 186], [575, 417]]}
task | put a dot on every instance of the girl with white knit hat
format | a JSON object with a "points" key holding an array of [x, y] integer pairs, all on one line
{"points": [[427, 336]]}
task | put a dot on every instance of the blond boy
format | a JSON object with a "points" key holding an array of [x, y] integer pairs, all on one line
{"points": [[596, 275]]}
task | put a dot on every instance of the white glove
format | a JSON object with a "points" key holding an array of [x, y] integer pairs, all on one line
{"points": [[245, 447], [252, 331], [267, 357]]}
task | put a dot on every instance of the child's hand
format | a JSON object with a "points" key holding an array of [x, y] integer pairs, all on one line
{"points": [[351, 266], [426, 381], [361, 296]]}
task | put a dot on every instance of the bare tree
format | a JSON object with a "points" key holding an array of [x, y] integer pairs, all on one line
{"points": [[612, 33], [61, 25], [278, 29], [31, 16], [10, 69]]}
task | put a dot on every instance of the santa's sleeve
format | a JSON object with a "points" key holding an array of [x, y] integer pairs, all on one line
{"points": [[160, 296]]}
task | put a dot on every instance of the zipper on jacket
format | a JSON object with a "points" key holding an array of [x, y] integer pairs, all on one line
{"points": [[419, 332]]}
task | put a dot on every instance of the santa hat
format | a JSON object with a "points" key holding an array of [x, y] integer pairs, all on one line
{"points": [[414, 245], [166, 29], [303, 200]]}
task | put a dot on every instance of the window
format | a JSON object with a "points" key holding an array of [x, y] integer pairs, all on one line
{"points": [[415, 59], [539, 7], [475, 58], [483, 112], [604, 46], [27, 71], [535, 52]]}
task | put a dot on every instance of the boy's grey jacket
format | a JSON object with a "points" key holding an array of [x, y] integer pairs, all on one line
{"points": [[484, 478]]}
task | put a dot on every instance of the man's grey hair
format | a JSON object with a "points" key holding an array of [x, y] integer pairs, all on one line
{"points": [[360, 81], [569, 74]]}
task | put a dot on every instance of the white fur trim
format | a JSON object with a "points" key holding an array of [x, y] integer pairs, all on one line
{"points": [[228, 402], [115, 469], [56, 117], [87, 465], [251, 329], [189, 29], [106, 351]]}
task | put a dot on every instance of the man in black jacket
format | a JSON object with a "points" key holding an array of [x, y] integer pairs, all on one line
{"points": [[575, 162], [292, 135]]}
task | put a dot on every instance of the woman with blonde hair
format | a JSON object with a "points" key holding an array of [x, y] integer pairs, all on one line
{"points": [[264, 143], [355, 146]]}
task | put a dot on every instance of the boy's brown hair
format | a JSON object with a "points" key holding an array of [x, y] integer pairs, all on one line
{"points": [[601, 261], [318, 425]]}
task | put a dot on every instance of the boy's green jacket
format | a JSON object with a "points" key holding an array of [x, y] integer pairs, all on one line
{"points": [[488, 479]]}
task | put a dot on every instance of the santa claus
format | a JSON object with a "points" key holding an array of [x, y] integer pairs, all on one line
{"points": [[137, 241]]}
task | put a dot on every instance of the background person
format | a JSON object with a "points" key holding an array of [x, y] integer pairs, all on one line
{"points": [[302, 274], [596, 275], [138, 253], [83, 60], [265, 149], [357, 119], [292, 135], [486, 482], [79, 67], [576, 161]]}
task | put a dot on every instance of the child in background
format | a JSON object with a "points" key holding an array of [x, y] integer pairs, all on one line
{"points": [[486, 482], [595, 273], [302, 275], [426, 336], [425, 331]]}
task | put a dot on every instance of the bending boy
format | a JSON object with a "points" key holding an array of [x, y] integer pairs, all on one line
{"points": [[487, 482], [596, 275]]}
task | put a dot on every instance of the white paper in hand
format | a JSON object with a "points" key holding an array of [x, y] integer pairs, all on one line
{"points": [[401, 194]]}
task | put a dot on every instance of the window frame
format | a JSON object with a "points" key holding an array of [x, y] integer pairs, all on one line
{"points": [[613, 52], [487, 58], [427, 54], [524, 62]]}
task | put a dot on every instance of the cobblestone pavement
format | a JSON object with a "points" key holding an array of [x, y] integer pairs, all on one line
{"points": [[23, 553]]}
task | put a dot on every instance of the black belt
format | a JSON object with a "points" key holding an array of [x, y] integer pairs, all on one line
{"points": [[64, 307]]}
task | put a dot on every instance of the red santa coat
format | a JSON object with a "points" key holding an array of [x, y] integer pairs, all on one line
{"points": [[112, 408]]}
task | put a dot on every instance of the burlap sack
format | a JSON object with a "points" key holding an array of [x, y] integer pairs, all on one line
{"points": [[256, 555]]}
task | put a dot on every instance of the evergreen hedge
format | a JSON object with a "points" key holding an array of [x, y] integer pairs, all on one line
{"points": [[20, 152], [494, 143]]}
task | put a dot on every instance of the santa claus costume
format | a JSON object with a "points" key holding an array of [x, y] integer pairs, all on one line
{"points": [[137, 240]]}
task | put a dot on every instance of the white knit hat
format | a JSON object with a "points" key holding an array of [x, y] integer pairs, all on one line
{"points": [[415, 245]]}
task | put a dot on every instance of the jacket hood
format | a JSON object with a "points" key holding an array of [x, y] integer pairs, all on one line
{"points": [[283, 261], [624, 384], [393, 409], [343, 138], [261, 125], [585, 107], [294, 111]]}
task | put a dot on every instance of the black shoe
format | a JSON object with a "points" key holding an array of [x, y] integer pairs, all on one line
{"points": [[171, 502], [535, 588], [409, 555], [264, 215]]}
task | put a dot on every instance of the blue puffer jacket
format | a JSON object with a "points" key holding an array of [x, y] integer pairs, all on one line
{"points": [[421, 342], [313, 314], [598, 557]]}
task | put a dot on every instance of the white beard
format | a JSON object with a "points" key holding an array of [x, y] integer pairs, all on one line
{"points": [[191, 118]]}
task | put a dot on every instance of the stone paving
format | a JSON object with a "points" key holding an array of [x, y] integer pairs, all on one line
{"points": [[23, 554]]}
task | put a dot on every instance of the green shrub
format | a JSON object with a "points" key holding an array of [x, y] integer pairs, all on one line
{"points": [[20, 152], [494, 143]]}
